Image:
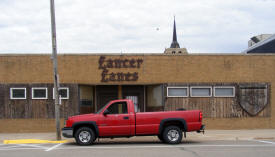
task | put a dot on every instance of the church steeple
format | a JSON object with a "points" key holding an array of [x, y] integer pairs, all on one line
{"points": [[175, 43], [175, 47]]}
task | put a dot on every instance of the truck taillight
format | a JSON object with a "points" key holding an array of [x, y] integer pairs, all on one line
{"points": [[200, 116]]}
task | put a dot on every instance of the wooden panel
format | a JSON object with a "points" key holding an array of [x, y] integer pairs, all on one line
{"points": [[2, 101], [32, 108], [154, 109], [86, 109], [214, 107]]}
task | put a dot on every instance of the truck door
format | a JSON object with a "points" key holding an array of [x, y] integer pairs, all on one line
{"points": [[117, 121]]}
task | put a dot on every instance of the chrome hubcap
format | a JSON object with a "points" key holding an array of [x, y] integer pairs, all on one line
{"points": [[173, 135], [84, 136]]}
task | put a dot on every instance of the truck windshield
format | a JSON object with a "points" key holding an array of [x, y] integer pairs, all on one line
{"points": [[102, 108]]}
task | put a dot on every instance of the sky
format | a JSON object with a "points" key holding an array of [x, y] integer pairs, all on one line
{"points": [[133, 26]]}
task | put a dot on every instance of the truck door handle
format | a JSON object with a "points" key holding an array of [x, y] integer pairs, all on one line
{"points": [[126, 117]]}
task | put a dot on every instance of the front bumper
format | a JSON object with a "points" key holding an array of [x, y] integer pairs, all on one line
{"points": [[67, 132]]}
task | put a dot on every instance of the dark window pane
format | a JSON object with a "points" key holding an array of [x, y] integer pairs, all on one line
{"points": [[18, 93], [39, 93], [118, 108], [63, 93]]}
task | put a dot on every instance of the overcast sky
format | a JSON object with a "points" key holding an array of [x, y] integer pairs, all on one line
{"points": [[133, 26]]}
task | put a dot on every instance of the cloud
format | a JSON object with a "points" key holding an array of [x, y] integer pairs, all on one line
{"points": [[107, 26]]}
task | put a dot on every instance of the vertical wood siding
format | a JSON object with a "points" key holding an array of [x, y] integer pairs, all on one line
{"points": [[32, 108], [214, 107]]}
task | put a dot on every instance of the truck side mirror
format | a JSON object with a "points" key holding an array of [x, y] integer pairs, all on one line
{"points": [[106, 112]]}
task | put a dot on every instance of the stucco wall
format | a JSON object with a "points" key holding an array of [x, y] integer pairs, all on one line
{"points": [[154, 69]]}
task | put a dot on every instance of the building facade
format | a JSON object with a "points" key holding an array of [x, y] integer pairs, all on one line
{"points": [[234, 91]]}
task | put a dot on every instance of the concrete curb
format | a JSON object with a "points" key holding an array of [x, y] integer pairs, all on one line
{"points": [[31, 141]]}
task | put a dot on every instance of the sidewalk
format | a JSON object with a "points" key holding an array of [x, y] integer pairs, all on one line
{"points": [[209, 135], [234, 134]]}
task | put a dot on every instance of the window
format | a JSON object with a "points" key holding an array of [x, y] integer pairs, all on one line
{"points": [[154, 95], [39, 93], [18, 93], [63, 91], [224, 91], [201, 91], [118, 108], [177, 91], [86, 94]]}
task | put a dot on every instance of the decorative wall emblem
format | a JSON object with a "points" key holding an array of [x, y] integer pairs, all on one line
{"points": [[253, 97]]}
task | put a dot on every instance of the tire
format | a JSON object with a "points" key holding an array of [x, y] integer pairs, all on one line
{"points": [[172, 135], [160, 138], [84, 136]]}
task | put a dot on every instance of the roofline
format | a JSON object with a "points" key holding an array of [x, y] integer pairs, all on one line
{"points": [[141, 54]]}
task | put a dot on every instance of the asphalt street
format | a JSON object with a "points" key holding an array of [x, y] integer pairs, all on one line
{"points": [[192, 148]]}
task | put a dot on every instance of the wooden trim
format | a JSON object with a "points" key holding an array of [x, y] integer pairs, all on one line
{"points": [[120, 92], [144, 98], [95, 98]]}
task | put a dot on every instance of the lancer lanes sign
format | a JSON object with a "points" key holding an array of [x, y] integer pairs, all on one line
{"points": [[107, 64]]}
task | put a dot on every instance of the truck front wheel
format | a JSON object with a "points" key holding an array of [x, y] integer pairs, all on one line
{"points": [[84, 136], [172, 135]]}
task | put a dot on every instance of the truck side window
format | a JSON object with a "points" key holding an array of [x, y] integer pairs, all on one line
{"points": [[118, 108]]}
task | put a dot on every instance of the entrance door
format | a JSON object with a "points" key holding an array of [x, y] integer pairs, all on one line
{"points": [[103, 99], [136, 94], [105, 94]]}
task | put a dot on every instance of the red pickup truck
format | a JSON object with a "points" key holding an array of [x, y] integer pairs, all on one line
{"points": [[119, 118]]}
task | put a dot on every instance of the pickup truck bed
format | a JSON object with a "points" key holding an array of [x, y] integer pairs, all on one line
{"points": [[149, 122]]}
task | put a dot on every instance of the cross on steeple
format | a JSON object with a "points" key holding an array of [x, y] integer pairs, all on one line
{"points": [[175, 43]]}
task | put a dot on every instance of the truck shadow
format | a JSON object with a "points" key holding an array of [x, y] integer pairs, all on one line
{"points": [[133, 142]]}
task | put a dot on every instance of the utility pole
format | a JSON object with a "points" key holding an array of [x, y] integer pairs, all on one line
{"points": [[55, 73]]}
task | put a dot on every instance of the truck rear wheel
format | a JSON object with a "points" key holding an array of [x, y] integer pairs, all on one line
{"points": [[84, 136], [172, 135]]}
